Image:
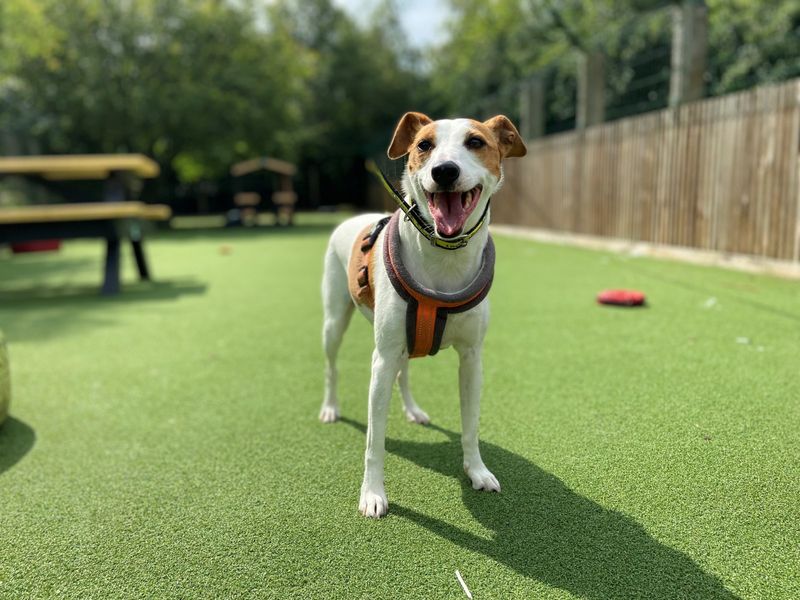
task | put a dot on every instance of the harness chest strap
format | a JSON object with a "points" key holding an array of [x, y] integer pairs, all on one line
{"points": [[426, 315]]}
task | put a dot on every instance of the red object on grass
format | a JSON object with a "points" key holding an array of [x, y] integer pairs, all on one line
{"points": [[35, 246], [621, 297]]}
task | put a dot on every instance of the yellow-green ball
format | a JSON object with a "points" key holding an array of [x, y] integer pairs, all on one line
{"points": [[5, 380]]}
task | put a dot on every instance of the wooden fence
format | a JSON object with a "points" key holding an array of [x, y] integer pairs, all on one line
{"points": [[720, 174]]}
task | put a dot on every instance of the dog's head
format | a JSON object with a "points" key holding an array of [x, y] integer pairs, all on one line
{"points": [[454, 166]]}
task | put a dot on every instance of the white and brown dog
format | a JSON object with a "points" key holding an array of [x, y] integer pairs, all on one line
{"points": [[424, 288]]}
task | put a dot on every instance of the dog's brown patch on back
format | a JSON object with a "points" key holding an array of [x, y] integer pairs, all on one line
{"points": [[361, 271]]}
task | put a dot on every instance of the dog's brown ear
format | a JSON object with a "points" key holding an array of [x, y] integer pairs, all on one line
{"points": [[508, 137], [405, 132]]}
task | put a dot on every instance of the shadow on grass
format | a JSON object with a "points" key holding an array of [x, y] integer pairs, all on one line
{"points": [[24, 267], [46, 311], [16, 440], [134, 292], [545, 531], [222, 233]]}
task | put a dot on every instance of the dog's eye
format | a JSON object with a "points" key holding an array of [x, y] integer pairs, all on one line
{"points": [[424, 146], [475, 143]]}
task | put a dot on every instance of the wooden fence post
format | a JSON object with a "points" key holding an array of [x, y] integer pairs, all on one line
{"points": [[532, 109], [591, 89], [689, 51]]}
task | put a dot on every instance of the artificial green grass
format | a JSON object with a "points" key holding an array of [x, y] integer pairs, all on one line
{"points": [[164, 443]]}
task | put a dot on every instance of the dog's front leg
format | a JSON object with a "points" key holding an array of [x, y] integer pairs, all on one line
{"points": [[470, 379], [385, 367]]}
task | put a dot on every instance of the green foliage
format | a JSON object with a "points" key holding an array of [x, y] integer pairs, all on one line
{"points": [[752, 42], [187, 82], [495, 44], [201, 84], [363, 81]]}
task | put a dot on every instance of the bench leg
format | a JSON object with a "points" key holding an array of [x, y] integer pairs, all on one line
{"points": [[141, 260], [111, 280]]}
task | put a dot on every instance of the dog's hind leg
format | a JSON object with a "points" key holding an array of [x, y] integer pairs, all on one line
{"points": [[413, 412], [338, 308]]}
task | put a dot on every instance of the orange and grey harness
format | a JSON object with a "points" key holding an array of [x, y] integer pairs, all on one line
{"points": [[427, 312]]}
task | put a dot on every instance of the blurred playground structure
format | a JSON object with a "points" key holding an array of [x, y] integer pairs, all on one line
{"points": [[118, 217], [256, 175]]}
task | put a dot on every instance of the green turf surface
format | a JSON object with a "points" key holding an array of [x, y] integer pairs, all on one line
{"points": [[164, 443]]}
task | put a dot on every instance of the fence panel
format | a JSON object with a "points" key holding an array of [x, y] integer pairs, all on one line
{"points": [[719, 174]]}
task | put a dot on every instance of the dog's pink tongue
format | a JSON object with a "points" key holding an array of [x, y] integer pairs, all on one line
{"points": [[448, 213]]}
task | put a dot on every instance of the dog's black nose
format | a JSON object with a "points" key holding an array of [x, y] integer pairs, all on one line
{"points": [[445, 173]]}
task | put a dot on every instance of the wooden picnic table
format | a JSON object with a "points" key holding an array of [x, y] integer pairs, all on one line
{"points": [[114, 219], [79, 166]]}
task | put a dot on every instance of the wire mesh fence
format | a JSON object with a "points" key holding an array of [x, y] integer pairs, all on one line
{"points": [[639, 71]]}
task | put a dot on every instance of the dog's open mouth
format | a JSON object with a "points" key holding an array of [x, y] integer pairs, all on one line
{"points": [[450, 210]]}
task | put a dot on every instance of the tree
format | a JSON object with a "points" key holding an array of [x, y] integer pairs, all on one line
{"points": [[193, 84], [752, 42], [362, 82], [200, 84], [495, 44]]}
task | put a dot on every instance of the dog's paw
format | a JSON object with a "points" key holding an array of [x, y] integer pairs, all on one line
{"points": [[482, 479], [373, 503], [416, 415], [329, 414]]}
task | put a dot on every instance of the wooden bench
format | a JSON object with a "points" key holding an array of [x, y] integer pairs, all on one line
{"points": [[113, 221]]}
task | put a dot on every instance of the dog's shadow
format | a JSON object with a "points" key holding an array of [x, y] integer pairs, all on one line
{"points": [[545, 531]]}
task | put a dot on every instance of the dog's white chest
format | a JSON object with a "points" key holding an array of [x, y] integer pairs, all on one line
{"points": [[466, 328]]}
